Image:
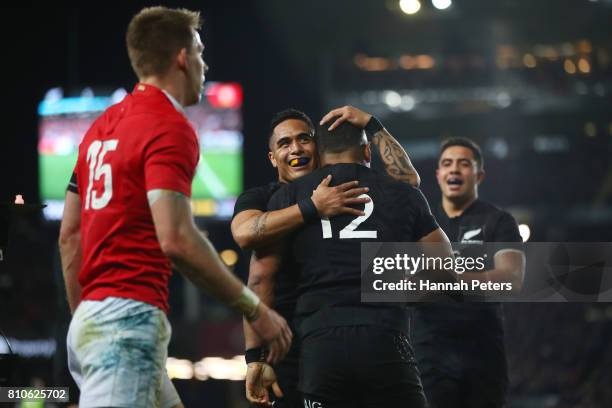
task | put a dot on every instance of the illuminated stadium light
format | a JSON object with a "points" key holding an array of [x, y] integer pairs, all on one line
{"points": [[408, 103], [87, 93], [366, 63], [407, 62], [220, 368], [54, 210], [584, 66], [392, 99], [441, 4], [118, 95], [179, 369], [529, 60], [525, 232], [54, 94], [410, 6], [425, 61], [503, 99]]}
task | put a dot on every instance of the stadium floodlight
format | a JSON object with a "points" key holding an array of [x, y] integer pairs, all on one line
{"points": [[410, 6], [441, 4], [392, 99], [525, 232]]}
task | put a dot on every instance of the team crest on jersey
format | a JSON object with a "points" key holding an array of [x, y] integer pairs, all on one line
{"points": [[472, 235]]}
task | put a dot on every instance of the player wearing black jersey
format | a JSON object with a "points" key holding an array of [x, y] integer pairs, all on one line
{"points": [[351, 354], [460, 347], [293, 154]]}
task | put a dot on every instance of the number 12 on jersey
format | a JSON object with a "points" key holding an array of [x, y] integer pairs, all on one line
{"points": [[97, 168], [349, 231]]}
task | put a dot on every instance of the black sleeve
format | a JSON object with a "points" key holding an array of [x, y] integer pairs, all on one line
{"points": [[423, 222], [253, 199], [507, 232], [72, 185], [283, 198]]}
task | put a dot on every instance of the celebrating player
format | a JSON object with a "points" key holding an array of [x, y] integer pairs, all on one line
{"points": [[351, 354], [460, 347], [131, 217], [293, 153]]}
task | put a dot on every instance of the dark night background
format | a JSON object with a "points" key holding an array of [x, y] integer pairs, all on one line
{"points": [[546, 133]]}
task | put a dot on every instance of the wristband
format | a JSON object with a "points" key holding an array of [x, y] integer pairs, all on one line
{"points": [[248, 304], [256, 355], [308, 209], [373, 127]]}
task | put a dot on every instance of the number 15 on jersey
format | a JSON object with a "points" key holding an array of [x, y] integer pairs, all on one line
{"points": [[97, 169]]}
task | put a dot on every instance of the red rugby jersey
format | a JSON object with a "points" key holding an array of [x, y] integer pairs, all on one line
{"points": [[140, 144]]}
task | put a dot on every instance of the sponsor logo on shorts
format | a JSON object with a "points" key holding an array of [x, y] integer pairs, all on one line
{"points": [[312, 404]]}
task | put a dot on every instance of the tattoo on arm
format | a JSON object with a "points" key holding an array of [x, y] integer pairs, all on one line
{"points": [[259, 226], [395, 159]]}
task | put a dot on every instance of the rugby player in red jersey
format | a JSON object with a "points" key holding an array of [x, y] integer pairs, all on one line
{"points": [[131, 219]]}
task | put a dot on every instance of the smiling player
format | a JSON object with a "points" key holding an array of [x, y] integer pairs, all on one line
{"points": [[460, 347]]}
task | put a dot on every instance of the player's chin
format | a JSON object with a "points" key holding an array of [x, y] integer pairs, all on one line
{"points": [[297, 172], [454, 193]]}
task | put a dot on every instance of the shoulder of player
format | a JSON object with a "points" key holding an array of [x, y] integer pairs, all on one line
{"points": [[165, 130], [497, 219], [266, 190], [310, 181], [400, 188], [282, 196], [175, 123], [491, 210], [157, 114]]}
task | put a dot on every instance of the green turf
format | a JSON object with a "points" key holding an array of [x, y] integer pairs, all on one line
{"points": [[226, 180]]}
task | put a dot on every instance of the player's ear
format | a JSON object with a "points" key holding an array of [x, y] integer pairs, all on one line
{"points": [[272, 159], [367, 153], [481, 176], [181, 59]]}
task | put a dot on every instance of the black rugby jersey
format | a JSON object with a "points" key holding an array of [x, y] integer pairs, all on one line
{"points": [[327, 253], [480, 223], [255, 198]]}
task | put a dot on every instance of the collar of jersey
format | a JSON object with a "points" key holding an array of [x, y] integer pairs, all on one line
{"points": [[465, 211], [143, 87], [175, 103]]}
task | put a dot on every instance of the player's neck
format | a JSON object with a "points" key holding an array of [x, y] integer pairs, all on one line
{"points": [[167, 85], [456, 206], [344, 157]]}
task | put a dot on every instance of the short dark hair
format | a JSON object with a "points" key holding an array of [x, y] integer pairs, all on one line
{"points": [[287, 114], [344, 137], [465, 142], [156, 34]]}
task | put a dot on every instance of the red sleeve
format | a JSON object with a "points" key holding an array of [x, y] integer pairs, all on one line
{"points": [[170, 160]]}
